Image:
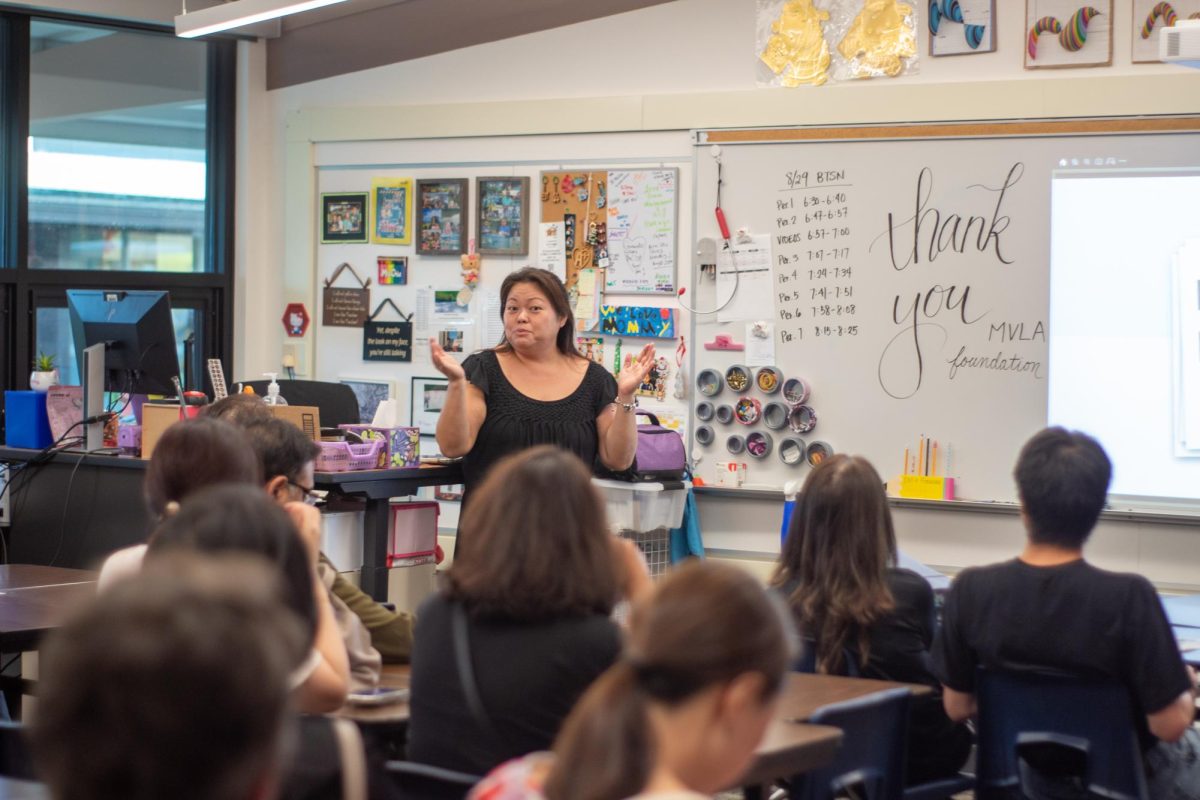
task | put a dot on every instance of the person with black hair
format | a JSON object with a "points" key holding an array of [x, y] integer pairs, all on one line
{"points": [[288, 458], [1049, 609]]}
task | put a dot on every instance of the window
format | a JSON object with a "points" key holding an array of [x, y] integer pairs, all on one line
{"points": [[115, 173], [117, 157]]}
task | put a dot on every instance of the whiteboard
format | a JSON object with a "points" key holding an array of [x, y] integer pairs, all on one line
{"points": [[910, 285]]}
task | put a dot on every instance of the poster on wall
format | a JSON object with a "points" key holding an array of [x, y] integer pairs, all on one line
{"points": [[345, 306], [503, 216], [1066, 33], [391, 210], [441, 205], [343, 218], [427, 398], [387, 341], [961, 27]]}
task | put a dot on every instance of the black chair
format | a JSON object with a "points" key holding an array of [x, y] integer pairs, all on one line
{"points": [[870, 763], [335, 401], [1091, 719], [807, 662], [428, 782]]}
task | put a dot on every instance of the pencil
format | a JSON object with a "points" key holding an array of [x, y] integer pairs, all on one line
{"points": [[906, 461], [921, 454], [935, 472], [927, 441]]}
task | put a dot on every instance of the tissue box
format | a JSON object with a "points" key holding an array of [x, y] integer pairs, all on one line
{"points": [[403, 447]]}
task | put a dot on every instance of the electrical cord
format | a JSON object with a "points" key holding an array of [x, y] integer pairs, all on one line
{"points": [[724, 226]]}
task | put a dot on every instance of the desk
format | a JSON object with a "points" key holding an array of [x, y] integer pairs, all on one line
{"points": [[36, 599], [788, 748], [377, 487], [394, 676], [76, 509], [805, 693]]}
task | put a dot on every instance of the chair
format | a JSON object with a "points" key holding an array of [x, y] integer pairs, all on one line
{"points": [[336, 401], [428, 782], [807, 662], [1093, 718], [15, 760], [870, 763]]}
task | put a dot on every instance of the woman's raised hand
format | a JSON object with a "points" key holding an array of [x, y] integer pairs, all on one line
{"points": [[445, 364], [634, 371]]}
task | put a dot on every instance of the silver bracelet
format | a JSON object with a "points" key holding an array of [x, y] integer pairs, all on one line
{"points": [[626, 406]]}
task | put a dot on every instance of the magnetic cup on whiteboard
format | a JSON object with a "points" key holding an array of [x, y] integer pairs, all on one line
{"points": [[792, 451], [725, 414], [738, 378], [768, 380], [802, 419], [795, 391], [735, 444], [818, 452], [704, 435], [758, 444], [775, 416], [747, 411], [709, 382], [704, 411]]}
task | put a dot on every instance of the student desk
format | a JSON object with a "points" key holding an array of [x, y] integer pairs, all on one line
{"points": [[36, 599], [378, 487]]}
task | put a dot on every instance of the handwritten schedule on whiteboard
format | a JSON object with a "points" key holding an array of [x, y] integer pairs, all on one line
{"points": [[911, 286]]}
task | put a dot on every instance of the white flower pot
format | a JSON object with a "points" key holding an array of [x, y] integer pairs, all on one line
{"points": [[42, 381]]}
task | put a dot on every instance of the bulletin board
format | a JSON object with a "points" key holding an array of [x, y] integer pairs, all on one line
{"points": [[623, 221], [902, 274]]}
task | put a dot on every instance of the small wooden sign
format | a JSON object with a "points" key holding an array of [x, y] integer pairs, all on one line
{"points": [[345, 307], [387, 341]]}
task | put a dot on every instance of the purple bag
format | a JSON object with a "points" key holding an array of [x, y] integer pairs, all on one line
{"points": [[660, 452]]}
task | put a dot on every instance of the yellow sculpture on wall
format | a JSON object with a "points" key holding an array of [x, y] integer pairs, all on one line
{"points": [[797, 50], [880, 38]]}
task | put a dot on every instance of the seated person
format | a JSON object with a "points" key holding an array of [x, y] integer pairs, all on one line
{"points": [[682, 712], [240, 520], [838, 572], [239, 409], [288, 458], [189, 456], [1049, 609], [532, 588], [138, 697]]}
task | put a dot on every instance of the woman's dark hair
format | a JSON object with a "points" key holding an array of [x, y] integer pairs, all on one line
{"points": [[235, 519], [193, 454], [534, 542], [835, 559], [706, 624], [555, 292]]}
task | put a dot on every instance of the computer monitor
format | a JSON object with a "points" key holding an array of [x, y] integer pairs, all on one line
{"points": [[138, 335]]}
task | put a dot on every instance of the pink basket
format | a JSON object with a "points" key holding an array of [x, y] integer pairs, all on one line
{"points": [[346, 457]]}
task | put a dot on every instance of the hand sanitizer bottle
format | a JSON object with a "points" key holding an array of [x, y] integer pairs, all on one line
{"points": [[273, 398]]}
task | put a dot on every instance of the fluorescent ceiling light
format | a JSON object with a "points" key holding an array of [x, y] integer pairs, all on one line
{"points": [[237, 13]]}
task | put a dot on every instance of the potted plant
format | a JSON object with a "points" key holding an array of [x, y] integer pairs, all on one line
{"points": [[44, 374]]}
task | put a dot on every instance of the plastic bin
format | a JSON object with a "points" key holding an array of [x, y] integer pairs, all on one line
{"points": [[645, 513], [412, 533], [344, 457]]}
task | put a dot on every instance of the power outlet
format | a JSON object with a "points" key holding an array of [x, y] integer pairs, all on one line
{"points": [[293, 357]]}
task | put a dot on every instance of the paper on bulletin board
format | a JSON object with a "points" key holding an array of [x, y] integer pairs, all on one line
{"points": [[748, 278], [760, 344], [587, 300], [552, 248], [492, 322], [641, 231]]}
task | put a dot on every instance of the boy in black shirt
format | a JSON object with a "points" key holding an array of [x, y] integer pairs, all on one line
{"points": [[1050, 609]]}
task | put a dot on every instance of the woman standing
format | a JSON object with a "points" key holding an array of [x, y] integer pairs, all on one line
{"points": [[535, 388], [838, 573]]}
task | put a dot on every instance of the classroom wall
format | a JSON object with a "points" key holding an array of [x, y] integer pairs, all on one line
{"points": [[681, 65]]}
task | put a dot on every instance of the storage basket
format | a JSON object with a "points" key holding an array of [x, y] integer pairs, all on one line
{"points": [[346, 457]]}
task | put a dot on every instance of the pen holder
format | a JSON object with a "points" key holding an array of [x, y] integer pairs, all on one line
{"points": [[926, 487]]}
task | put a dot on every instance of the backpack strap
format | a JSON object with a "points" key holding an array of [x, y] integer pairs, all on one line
{"points": [[353, 757]]}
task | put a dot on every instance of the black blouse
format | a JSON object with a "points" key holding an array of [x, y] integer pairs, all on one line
{"points": [[515, 422]]}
